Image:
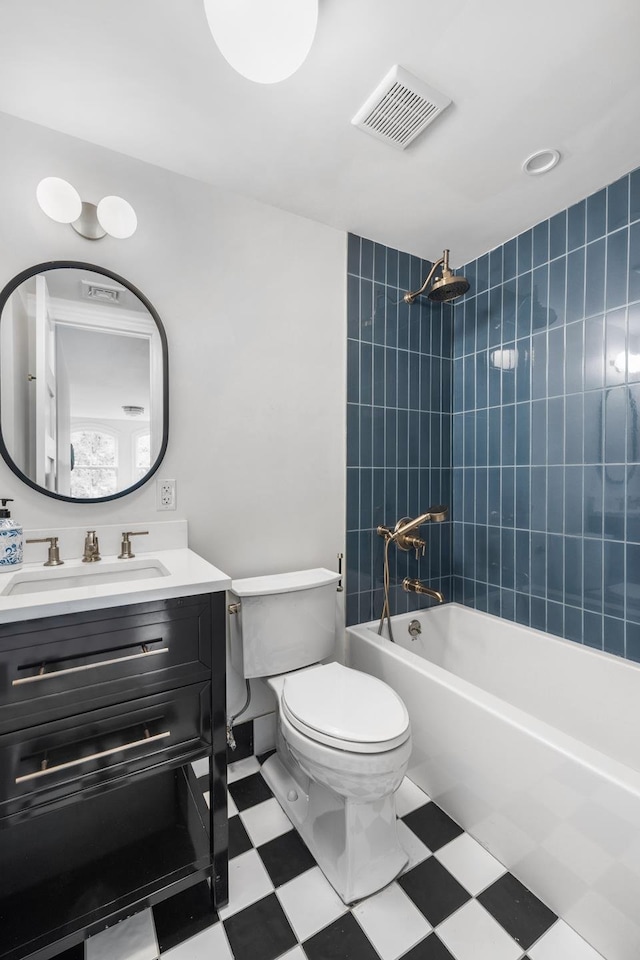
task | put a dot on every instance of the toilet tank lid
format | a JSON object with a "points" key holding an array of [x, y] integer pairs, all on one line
{"points": [[283, 582]]}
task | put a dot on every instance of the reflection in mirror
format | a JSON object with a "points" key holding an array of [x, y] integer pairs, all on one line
{"points": [[82, 382]]}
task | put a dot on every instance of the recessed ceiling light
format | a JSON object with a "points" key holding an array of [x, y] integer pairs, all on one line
{"points": [[541, 162]]}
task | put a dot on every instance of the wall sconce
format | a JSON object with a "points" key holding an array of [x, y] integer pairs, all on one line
{"points": [[263, 41], [61, 202]]}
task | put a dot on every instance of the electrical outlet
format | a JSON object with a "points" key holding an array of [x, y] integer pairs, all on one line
{"points": [[166, 494]]}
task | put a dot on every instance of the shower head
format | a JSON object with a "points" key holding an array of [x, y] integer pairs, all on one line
{"points": [[447, 287], [439, 513]]}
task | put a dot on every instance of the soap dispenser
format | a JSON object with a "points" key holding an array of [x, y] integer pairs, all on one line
{"points": [[10, 539]]}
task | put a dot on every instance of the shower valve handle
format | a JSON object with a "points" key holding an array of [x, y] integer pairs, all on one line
{"points": [[417, 544]]}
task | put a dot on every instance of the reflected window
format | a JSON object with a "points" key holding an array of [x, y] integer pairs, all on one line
{"points": [[95, 463]]}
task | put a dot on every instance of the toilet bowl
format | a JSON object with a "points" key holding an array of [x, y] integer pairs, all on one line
{"points": [[343, 738], [343, 747]]}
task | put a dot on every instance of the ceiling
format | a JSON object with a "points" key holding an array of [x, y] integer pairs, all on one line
{"points": [[146, 79]]}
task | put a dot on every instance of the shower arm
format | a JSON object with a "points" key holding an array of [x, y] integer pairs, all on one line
{"points": [[412, 296]]}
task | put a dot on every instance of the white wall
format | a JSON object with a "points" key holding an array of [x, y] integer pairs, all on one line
{"points": [[253, 302]]}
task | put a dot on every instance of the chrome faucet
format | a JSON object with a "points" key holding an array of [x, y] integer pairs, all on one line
{"points": [[415, 586], [91, 548]]}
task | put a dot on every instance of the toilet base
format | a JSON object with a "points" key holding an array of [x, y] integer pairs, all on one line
{"points": [[355, 844]]}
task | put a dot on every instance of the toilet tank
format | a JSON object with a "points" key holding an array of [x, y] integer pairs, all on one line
{"points": [[285, 621]]}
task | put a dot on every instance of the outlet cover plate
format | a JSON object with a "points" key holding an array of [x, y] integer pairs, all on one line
{"points": [[166, 494]]}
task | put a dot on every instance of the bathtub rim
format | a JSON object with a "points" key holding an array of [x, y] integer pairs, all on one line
{"points": [[574, 645], [616, 771]]}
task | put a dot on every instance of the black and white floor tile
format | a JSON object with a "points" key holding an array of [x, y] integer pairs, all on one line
{"points": [[454, 901]]}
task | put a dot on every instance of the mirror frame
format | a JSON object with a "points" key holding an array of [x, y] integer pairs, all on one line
{"points": [[79, 265]]}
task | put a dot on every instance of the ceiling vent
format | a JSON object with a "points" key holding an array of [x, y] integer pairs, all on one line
{"points": [[400, 108], [103, 292]]}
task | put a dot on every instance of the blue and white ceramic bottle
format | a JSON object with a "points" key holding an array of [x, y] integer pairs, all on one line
{"points": [[11, 540]]}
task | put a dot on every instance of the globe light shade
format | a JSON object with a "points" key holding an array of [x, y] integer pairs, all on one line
{"points": [[117, 217], [264, 40], [59, 200]]}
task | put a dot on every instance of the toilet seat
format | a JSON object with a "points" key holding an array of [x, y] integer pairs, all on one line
{"points": [[345, 708]]}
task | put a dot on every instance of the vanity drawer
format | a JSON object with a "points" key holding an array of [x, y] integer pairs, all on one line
{"points": [[55, 761], [61, 665]]}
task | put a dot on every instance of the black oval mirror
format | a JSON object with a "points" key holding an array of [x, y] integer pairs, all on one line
{"points": [[83, 382]]}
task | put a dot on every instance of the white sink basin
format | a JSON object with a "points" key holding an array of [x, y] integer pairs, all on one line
{"points": [[38, 591], [48, 579]]}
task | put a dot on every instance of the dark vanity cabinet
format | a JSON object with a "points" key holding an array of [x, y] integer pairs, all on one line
{"points": [[101, 715]]}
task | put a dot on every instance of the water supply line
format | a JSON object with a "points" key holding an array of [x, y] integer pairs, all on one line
{"points": [[233, 610], [231, 719]]}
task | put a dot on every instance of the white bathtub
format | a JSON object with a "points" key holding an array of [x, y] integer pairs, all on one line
{"points": [[532, 744]]}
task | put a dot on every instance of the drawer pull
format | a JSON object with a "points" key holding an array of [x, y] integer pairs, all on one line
{"points": [[46, 770], [41, 675]]}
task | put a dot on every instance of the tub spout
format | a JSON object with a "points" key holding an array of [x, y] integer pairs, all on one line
{"points": [[415, 586]]}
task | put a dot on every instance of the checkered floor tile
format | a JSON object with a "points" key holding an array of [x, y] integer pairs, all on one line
{"points": [[454, 901]]}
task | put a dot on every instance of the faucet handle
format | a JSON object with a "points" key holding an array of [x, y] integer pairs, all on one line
{"points": [[417, 544], [125, 547], [53, 556], [420, 547]]}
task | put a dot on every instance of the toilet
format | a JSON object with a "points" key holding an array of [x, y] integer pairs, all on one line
{"points": [[343, 738]]}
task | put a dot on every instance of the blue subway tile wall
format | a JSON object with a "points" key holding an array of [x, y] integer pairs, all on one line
{"points": [[398, 425], [546, 433]]}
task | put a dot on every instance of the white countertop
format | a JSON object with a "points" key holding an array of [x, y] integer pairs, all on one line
{"points": [[187, 575]]}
